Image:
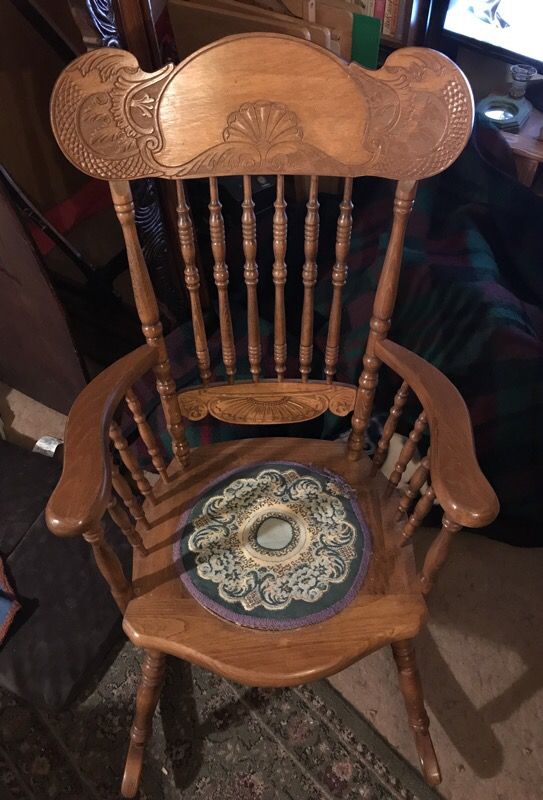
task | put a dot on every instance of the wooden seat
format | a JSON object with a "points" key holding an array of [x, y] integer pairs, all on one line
{"points": [[273, 105], [164, 616]]}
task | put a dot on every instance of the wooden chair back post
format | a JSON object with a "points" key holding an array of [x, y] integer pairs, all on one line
{"points": [[147, 308], [383, 306]]}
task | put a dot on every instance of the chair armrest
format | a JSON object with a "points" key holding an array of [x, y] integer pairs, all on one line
{"points": [[83, 491], [461, 488]]}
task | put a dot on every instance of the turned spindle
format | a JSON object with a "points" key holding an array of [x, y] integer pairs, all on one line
{"points": [[147, 435], [109, 566], [389, 428], [123, 522], [130, 461], [309, 277], [127, 496], [420, 512], [408, 450], [411, 689], [250, 274], [152, 678], [339, 278], [220, 276], [437, 554], [279, 275], [192, 282], [413, 487]]}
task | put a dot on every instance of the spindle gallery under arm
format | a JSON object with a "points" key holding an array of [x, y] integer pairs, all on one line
{"points": [[250, 105]]}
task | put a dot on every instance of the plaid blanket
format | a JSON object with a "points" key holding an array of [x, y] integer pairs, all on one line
{"points": [[470, 302]]}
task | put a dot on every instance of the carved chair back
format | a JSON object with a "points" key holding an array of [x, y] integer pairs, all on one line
{"points": [[252, 105]]}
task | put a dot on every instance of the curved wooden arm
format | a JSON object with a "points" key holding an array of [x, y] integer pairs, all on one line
{"points": [[461, 488], [83, 492]]}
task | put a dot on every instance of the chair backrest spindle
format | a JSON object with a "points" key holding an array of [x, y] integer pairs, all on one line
{"points": [[192, 282], [279, 275], [220, 276], [250, 273], [309, 277], [339, 277]]}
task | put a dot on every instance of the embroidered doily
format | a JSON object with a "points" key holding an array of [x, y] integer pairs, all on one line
{"points": [[274, 545]]}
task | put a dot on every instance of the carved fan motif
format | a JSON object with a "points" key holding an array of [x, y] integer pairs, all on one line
{"points": [[263, 403], [263, 124]]}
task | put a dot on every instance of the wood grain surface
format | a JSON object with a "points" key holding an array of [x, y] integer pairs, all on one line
{"points": [[271, 104], [163, 616]]}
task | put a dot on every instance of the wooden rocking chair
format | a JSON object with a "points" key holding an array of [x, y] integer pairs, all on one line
{"points": [[296, 556]]}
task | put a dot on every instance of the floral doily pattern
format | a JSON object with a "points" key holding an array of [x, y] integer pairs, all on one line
{"points": [[276, 545]]}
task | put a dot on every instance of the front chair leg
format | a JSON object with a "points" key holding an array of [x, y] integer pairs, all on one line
{"points": [[411, 688], [152, 678]]}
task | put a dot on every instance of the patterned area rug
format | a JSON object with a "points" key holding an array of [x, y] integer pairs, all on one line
{"points": [[213, 740]]}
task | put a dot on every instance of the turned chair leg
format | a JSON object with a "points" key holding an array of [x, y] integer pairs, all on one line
{"points": [[411, 688], [152, 678]]}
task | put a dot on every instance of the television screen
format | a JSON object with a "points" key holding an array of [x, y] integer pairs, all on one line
{"points": [[513, 25]]}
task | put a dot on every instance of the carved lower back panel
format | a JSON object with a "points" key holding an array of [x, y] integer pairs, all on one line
{"points": [[258, 104], [267, 402]]}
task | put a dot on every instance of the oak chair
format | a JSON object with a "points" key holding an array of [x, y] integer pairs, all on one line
{"points": [[249, 105]]}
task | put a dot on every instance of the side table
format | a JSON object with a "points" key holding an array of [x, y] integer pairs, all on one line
{"points": [[527, 148]]}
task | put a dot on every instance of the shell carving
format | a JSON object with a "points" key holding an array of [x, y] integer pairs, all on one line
{"points": [[264, 125], [262, 404], [259, 134], [268, 409]]}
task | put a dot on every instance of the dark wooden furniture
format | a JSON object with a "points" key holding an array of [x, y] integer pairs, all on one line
{"points": [[267, 104], [527, 147]]}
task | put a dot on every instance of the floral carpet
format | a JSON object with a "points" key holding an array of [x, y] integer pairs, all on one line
{"points": [[212, 740]]}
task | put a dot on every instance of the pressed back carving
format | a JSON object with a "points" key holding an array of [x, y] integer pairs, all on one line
{"points": [[271, 104], [258, 104]]}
